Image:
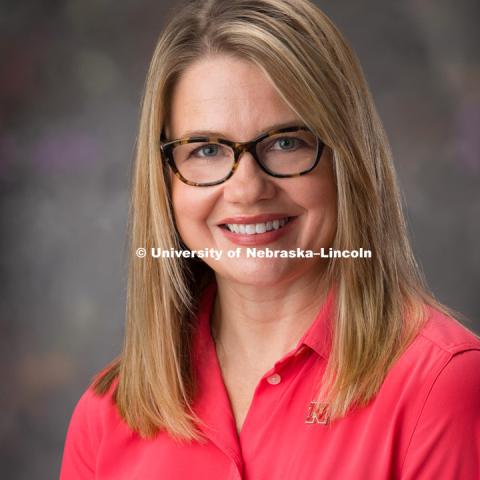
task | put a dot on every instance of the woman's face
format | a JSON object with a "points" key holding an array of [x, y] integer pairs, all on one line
{"points": [[234, 98]]}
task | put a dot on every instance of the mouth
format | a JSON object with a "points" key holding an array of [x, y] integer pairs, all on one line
{"points": [[257, 228]]}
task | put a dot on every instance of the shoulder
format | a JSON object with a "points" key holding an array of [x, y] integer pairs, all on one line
{"points": [[441, 339], [94, 414], [449, 406], [455, 376], [457, 384], [96, 404], [443, 345], [447, 334], [444, 439], [442, 361]]}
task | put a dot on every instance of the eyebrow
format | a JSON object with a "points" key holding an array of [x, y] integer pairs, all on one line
{"points": [[213, 133]]}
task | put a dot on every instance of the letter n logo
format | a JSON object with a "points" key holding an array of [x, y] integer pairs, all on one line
{"points": [[315, 413]]}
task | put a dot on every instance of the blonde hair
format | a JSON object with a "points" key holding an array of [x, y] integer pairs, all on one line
{"points": [[379, 303]]}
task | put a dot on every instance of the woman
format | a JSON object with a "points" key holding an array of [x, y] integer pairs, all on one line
{"points": [[258, 135]]}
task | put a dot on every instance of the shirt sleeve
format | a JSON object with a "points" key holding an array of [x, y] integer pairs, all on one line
{"points": [[78, 461], [446, 441]]}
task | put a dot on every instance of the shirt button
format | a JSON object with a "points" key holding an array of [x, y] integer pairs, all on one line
{"points": [[274, 379]]}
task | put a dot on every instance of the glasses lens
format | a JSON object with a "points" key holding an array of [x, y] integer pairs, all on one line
{"points": [[203, 162], [288, 153]]}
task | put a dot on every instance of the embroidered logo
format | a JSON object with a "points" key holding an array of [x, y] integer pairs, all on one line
{"points": [[316, 413]]}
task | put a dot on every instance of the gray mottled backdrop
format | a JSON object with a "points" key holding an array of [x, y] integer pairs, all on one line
{"points": [[71, 78]]}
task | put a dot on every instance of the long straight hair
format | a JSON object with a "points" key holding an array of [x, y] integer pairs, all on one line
{"points": [[380, 302]]}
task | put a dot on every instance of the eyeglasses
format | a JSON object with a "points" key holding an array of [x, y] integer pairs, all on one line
{"points": [[206, 161]]}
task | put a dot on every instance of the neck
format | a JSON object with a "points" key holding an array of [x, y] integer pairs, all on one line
{"points": [[254, 327]]}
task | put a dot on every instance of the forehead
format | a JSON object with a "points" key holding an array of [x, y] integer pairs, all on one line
{"points": [[227, 95]]}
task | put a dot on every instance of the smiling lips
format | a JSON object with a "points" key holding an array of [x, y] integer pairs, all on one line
{"points": [[256, 230]]}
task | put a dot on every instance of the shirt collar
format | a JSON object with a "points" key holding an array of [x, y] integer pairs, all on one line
{"points": [[319, 335]]}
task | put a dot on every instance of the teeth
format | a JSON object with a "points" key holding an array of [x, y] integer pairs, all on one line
{"points": [[255, 228], [260, 228]]}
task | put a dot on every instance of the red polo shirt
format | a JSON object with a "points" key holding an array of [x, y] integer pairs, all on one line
{"points": [[423, 424]]}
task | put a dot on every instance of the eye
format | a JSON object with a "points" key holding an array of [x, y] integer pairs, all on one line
{"points": [[208, 150], [287, 143]]}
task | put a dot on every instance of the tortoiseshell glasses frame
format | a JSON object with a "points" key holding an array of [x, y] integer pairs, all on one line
{"points": [[167, 147]]}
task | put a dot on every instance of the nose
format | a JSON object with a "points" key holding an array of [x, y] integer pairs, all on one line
{"points": [[249, 183]]}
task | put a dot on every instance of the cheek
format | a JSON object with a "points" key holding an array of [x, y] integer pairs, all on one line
{"points": [[191, 208], [322, 217], [317, 195], [326, 208]]}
